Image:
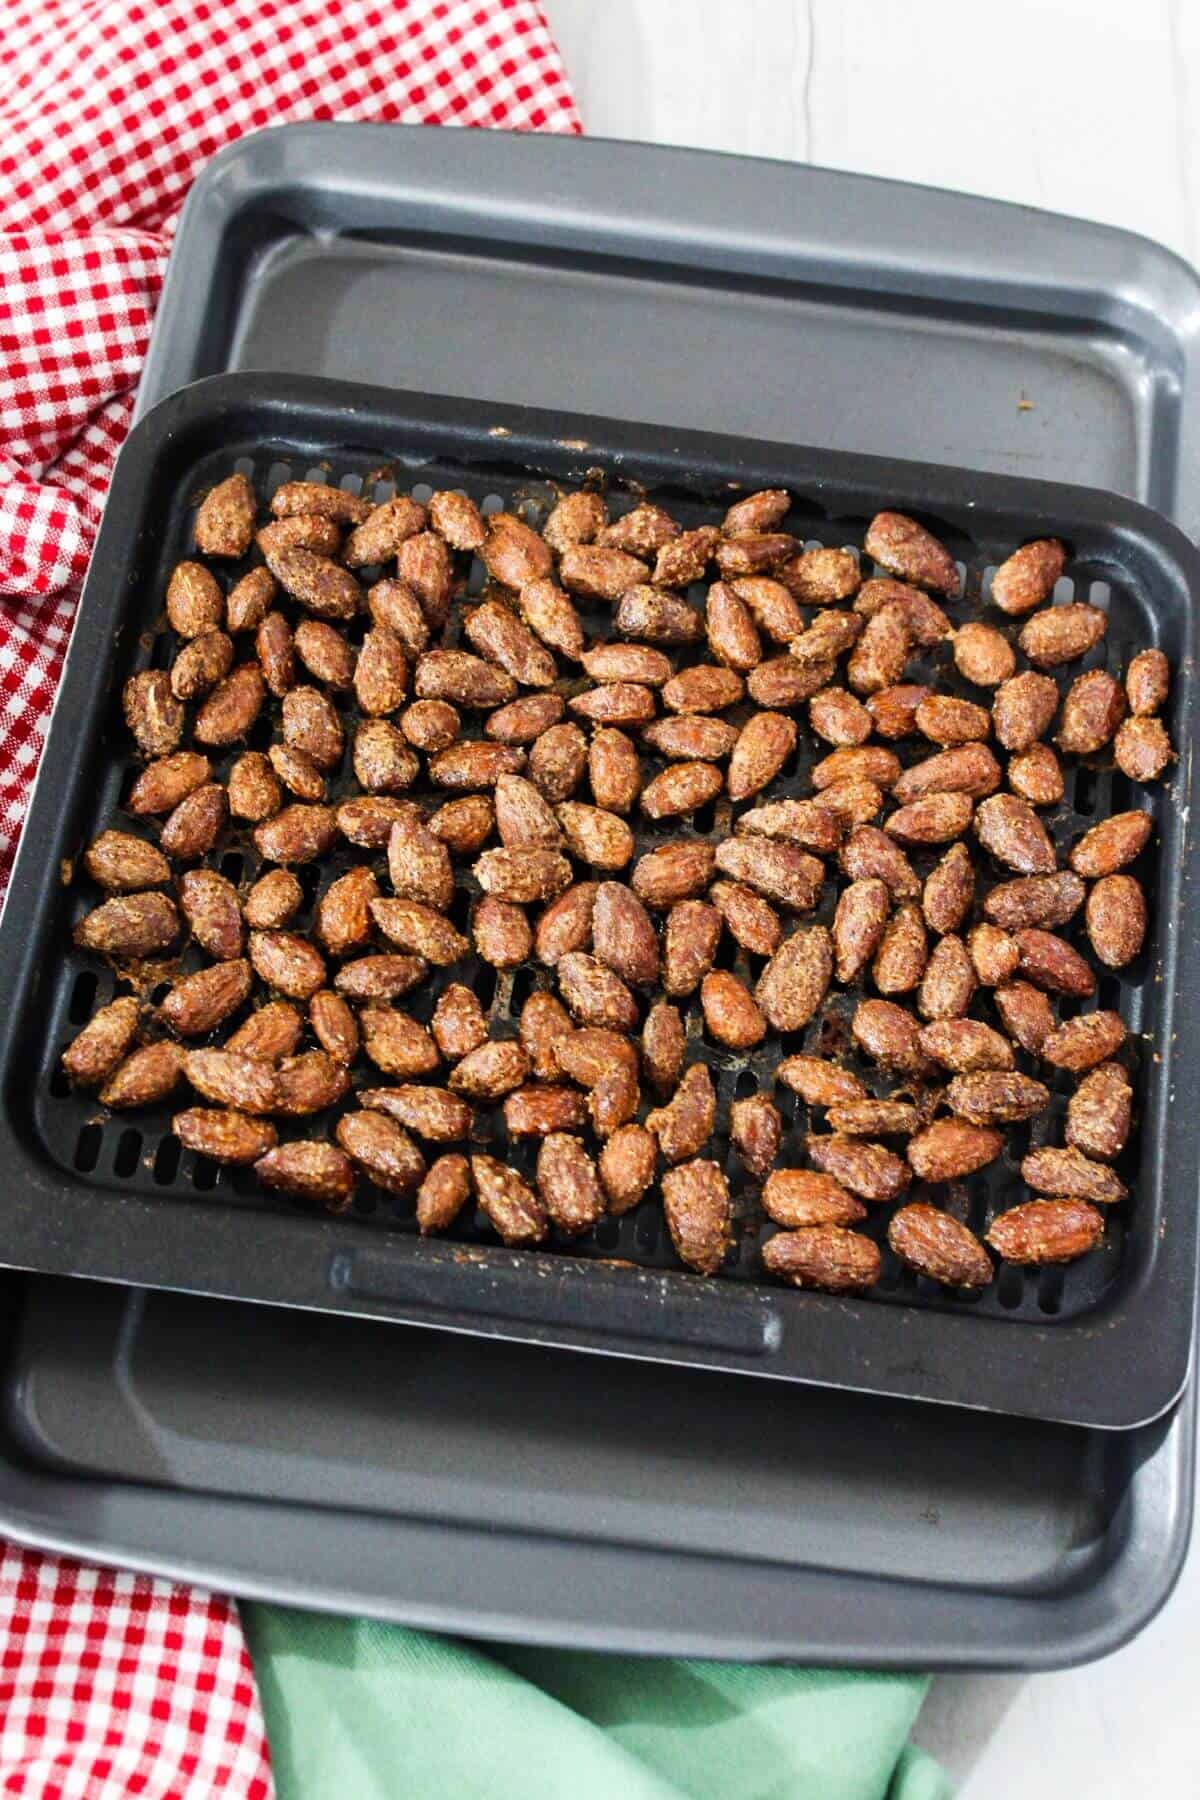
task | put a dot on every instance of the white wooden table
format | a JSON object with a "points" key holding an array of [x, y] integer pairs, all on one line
{"points": [[1083, 106]]}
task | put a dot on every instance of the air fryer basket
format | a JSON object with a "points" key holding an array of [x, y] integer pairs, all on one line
{"points": [[1104, 1341]]}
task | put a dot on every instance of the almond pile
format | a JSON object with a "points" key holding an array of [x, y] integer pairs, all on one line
{"points": [[347, 648]]}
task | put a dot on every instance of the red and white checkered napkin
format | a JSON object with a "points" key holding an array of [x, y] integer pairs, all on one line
{"points": [[113, 1685], [108, 108]]}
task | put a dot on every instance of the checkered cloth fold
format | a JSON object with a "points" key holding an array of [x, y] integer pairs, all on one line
{"points": [[111, 1684]]}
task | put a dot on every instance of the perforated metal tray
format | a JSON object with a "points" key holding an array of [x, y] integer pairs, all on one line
{"points": [[1128, 1306]]}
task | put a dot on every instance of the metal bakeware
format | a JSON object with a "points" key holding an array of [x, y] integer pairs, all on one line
{"points": [[132, 1429], [1063, 1334]]}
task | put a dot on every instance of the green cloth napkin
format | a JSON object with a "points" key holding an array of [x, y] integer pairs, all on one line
{"points": [[366, 1711]]}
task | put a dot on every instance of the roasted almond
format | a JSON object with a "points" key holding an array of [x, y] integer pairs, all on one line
{"points": [[1100, 1112], [311, 1171], [568, 1184], [865, 1169], [950, 1149], [796, 980], [825, 1257], [1059, 634], [939, 1247], [698, 1214], [225, 519], [1069, 1175], [685, 1124], [1046, 1231], [909, 552], [1051, 963], [755, 1132], [1116, 919], [767, 741], [1082, 1042], [996, 1097]]}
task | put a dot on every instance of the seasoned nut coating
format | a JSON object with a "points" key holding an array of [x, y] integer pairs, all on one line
{"points": [[163, 783], [614, 770], [750, 920], [1060, 634], [343, 914], [950, 1149], [1026, 1015], [797, 1198], [299, 834], [537, 1111], [90, 1058], [1050, 962], [201, 664], [225, 520], [383, 531], [121, 863], [198, 1003], [443, 1194], [1039, 900], [825, 1257], [1147, 682], [663, 1044], [1100, 1112], [130, 926], [1081, 1043], [996, 1097], [1046, 1231], [195, 603], [1037, 776], [938, 1246], [796, 980], [1143, 750], [334, 1026], [685, 1124], [383, 762], [909, 552], [1069, 1175], [1011, 831], [778, 871], [623, 934], [500, 637], [224, 1137], [195, 825], [311, 1171], [1026, 580], [523, 720], [393, 604], [821, 577], [626, 1166], [383, 1150], [231, 708], [983, 656], [568, 1184], [152, 713], [577, 519], [1092, 711], [287, 963], [767, 741], [949, 890], [699, 1216], [731, 1016], [513, 1209], [145, 1077], [254, 790], [866, 1169], [965, 1045], [269, 1034], [1023, 708], [423, 564], [1112, 844], [1116, 919]]}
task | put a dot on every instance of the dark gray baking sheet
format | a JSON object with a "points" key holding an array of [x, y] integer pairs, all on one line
{"points": [[533, 1495]]}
